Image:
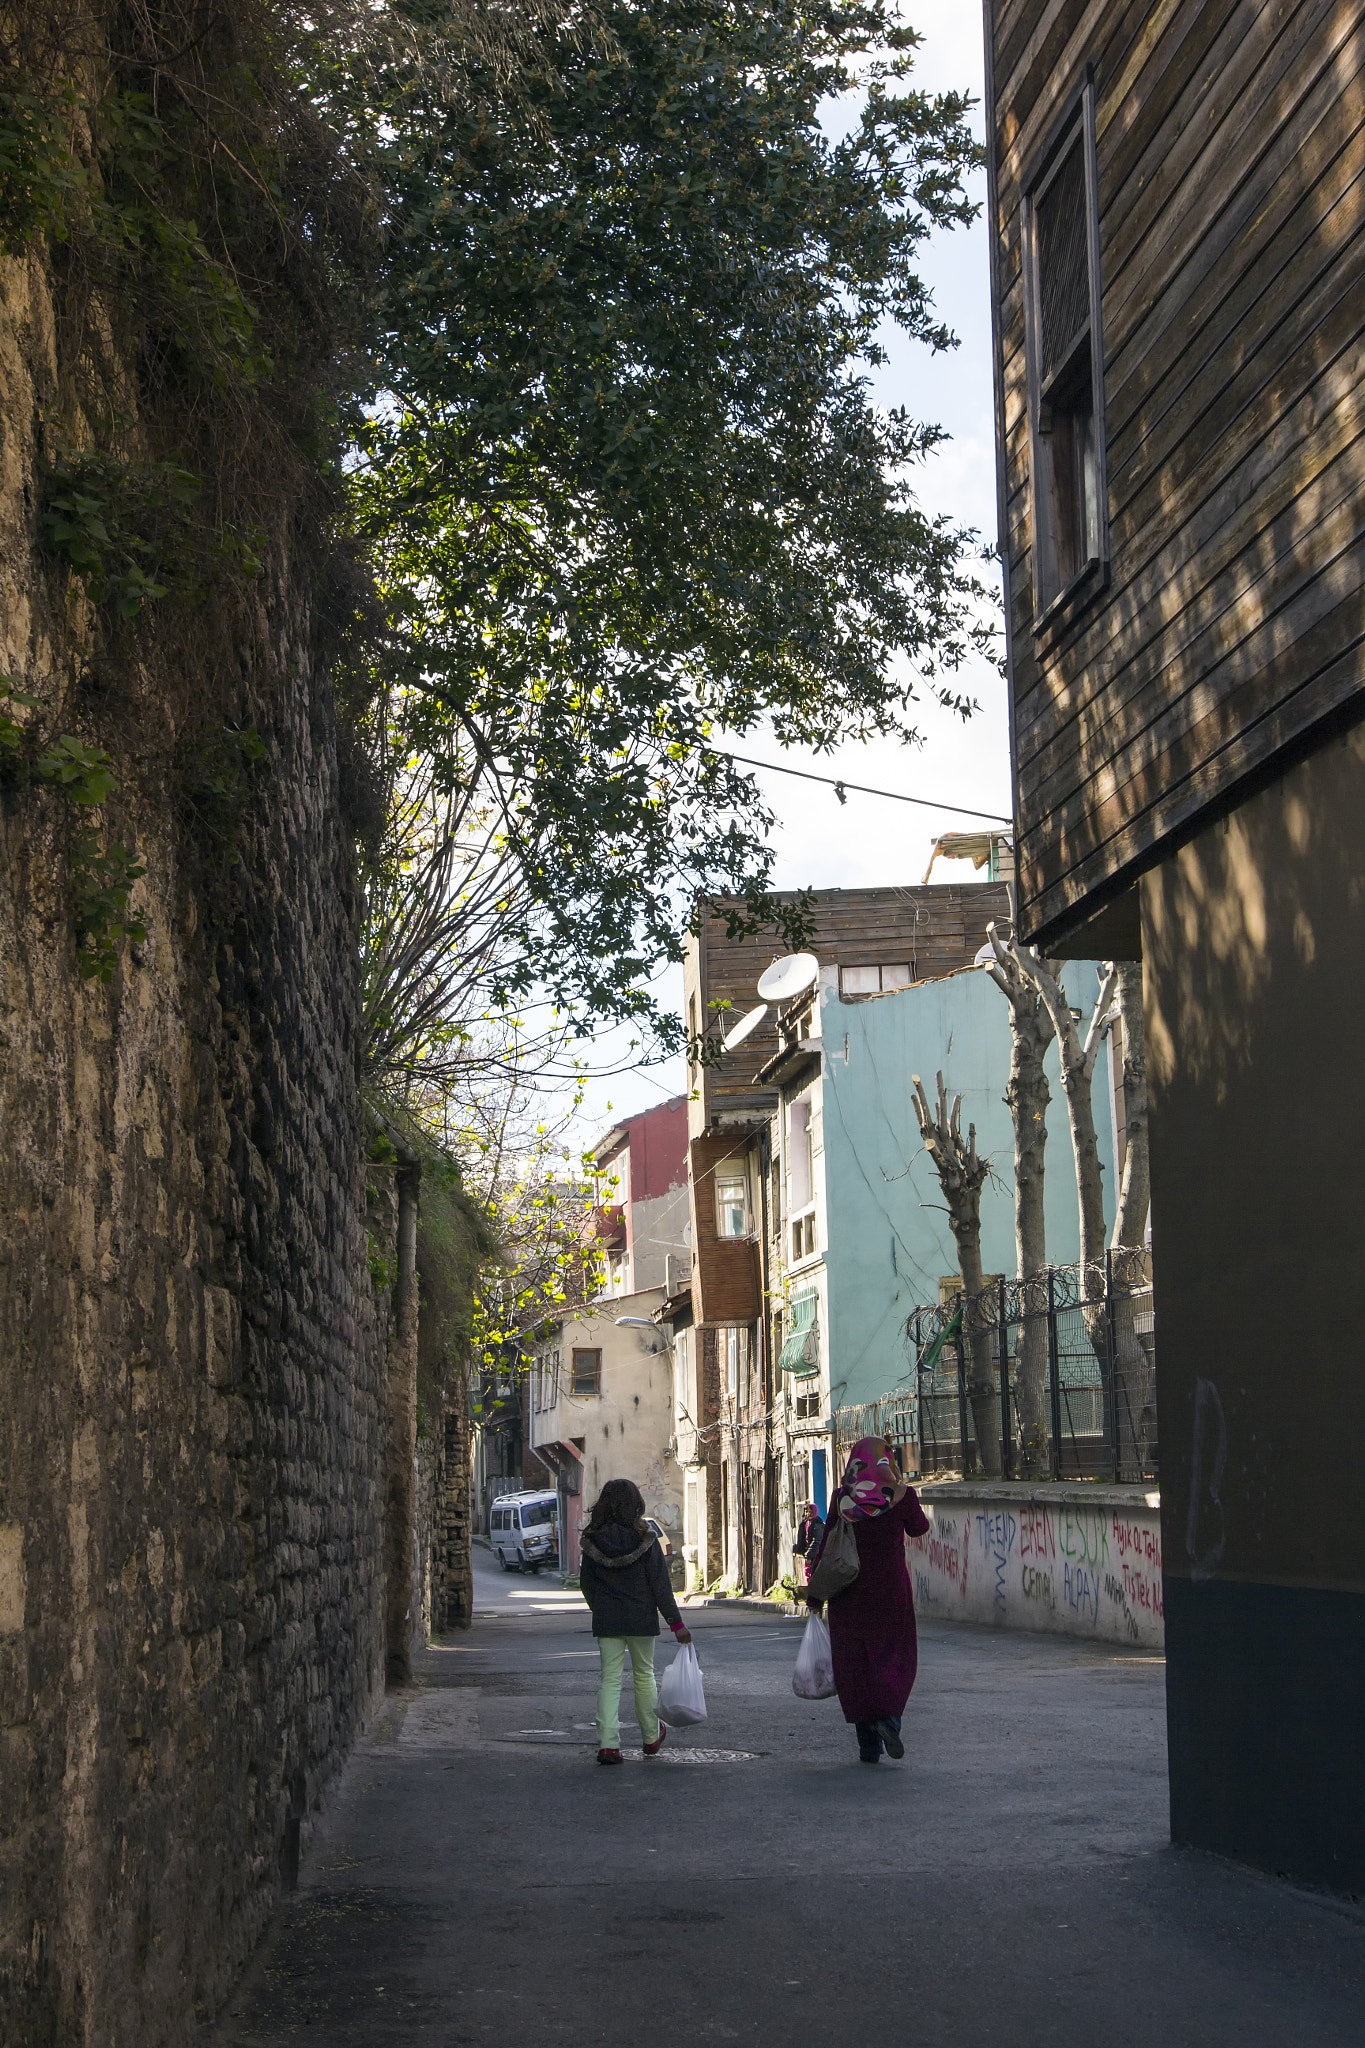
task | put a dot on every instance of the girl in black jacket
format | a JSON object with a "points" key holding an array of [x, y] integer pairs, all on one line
{"points": [[625, 1582]]}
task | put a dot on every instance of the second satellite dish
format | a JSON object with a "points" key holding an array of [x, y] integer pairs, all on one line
{"points": [[789, 977], [745, 1028]]}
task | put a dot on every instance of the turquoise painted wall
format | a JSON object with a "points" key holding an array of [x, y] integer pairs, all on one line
{"points": [[888, 1237]]}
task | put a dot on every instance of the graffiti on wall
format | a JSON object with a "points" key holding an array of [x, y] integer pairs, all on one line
{"points": [[1070, 1567]]}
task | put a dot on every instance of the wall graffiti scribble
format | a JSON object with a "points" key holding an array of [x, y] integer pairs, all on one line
{"points": [[1070, 1566]]}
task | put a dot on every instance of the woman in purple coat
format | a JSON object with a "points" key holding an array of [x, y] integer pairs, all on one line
{"points": [[872, 1622]]}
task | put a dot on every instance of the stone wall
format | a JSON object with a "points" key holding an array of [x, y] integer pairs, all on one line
{"points": [[191, 1359]]}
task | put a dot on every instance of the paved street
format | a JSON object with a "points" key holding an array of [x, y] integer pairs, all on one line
{"points": [[479, 1879]]}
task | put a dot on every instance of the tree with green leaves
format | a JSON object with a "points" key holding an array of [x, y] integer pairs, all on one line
{"points": [[623, 482]]}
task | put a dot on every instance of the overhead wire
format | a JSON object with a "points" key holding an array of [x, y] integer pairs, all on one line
{"points": [[838, 784]]}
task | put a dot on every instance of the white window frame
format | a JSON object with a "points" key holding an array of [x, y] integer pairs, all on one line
{"points": [[734, 1176], [802, 1237], [902, 973]]}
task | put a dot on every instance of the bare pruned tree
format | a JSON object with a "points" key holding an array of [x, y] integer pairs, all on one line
{"points": [[1028, 1094], [1109, 1320], [961, 1175], [1078, 1056]]}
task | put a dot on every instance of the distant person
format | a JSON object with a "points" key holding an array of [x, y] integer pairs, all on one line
{"points": [[625, 1583], [808, 1535], [872, 1622]]}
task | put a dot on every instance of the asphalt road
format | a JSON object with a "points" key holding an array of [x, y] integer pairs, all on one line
{"points": [[478, 1878]]}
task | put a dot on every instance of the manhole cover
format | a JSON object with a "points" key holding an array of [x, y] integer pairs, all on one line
{"points": [[550, 1737], [699, 1756]]}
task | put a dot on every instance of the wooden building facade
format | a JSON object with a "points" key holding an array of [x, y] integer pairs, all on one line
{"points": [[1177, 207]]}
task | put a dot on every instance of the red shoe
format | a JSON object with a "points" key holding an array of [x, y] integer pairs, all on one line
{"points": [[653, 1748], [610, 1756]]}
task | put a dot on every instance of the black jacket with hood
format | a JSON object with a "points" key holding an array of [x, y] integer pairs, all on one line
{"points": [[625, 1582]]}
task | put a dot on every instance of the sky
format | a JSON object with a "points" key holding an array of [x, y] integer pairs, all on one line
{"points": [[870, 842]]}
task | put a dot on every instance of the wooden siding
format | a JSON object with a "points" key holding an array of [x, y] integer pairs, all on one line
{"points": [[725, 1285], [934, 929], [1231, 157]]}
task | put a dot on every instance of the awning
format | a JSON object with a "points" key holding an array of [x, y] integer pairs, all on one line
{"points": [[949, 1334], [800, 1354]]}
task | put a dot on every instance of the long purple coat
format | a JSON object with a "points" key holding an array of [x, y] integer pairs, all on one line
{"points": [[872, 1622]]}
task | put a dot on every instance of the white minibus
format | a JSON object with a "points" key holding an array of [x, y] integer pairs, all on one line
{"points": [[523, 1529]]}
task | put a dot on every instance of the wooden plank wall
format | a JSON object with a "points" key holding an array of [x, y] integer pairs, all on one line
{"points": [[1231, 157], [725, 1285], [934, 930]]}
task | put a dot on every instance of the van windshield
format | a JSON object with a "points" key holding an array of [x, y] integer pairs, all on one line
{"points": [[537, 1511]]}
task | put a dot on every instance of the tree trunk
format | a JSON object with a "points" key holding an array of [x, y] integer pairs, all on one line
{"points": [[1078, 1058], [1135, 1192], [976, 1334], [1133, 1405], [960, 1175], [1028, 1096]]}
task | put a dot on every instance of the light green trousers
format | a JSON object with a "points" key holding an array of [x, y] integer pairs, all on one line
{"points": [[614, 1650]]}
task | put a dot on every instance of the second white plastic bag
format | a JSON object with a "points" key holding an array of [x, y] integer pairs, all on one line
{"points": [[813, 1678], [682, 1701]]}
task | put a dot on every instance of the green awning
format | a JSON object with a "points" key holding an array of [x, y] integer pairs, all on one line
{"points": [[800, 1354], [947, 1335]]}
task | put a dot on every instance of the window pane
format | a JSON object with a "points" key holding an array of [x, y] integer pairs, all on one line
{"points": [[1063, 261], [898, 976], [860, 981], [732, 1205], [802, 1179], [587, 1372]]}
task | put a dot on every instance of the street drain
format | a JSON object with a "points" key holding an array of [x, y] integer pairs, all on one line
{"points": [[699, 1756], [551, 1737]]}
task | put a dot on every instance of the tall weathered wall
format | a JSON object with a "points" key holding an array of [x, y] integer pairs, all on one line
{"points": [[191, 1368]]}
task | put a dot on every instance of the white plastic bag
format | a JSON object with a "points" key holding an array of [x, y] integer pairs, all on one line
{"points": [[682, 1701], [813, 1678]]}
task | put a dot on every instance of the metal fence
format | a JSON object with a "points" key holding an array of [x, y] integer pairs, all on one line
{"points": [[1053, 1375]]}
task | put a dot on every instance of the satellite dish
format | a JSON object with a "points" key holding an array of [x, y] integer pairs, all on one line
{"points": [[788, 978], [745, 1028]]}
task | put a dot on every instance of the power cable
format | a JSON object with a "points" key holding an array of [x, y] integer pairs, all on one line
{"points": [[839, 786]]}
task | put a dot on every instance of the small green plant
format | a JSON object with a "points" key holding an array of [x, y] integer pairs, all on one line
{"points": [[39, 176], [383, 1269], [11, 731], [120, 525], [102, 877], [83, 773], [103, 880]]}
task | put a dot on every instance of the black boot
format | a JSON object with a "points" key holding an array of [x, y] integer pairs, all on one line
{"points": [[890, 1733], [869, 1741]]}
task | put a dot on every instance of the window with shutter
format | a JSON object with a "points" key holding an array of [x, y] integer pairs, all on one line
{"points": [[1065, 366]]}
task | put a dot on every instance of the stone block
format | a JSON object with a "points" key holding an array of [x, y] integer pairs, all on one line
{"points": [[12, 1577]]}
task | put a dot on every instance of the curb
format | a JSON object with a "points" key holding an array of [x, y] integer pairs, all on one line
{"points": [[753, 1602]]}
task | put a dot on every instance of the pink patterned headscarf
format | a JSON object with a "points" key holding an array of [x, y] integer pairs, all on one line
{"points": [[868, 1484]]}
